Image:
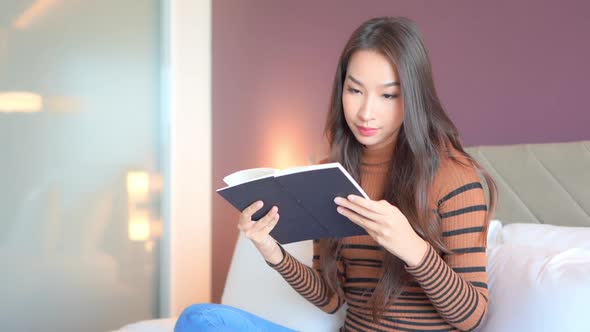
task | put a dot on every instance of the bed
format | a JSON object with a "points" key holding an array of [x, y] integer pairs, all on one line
{"points": [[538, 249]]}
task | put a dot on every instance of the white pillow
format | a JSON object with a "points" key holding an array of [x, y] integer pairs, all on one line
{"points": [[540, 235], [537, 289], [254, 286]]}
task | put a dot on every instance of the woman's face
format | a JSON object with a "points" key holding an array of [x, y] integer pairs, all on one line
{"points": [[372, 100]]}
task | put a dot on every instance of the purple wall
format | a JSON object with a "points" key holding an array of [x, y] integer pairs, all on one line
{"points": [[506, 71]]}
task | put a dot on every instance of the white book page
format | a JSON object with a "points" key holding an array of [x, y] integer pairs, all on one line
{"points": [[322, 166], [300, 169], [247, 175]]}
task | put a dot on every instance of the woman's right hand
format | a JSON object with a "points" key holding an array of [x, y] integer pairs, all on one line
{"points": [[258, 231]]}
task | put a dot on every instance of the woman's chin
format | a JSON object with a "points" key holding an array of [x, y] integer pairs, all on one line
{"points": [[367, 141]]}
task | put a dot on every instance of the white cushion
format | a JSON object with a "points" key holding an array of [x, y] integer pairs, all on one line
{"points": [[255, 287], [537, 289], [539, 277], [547, 236]]}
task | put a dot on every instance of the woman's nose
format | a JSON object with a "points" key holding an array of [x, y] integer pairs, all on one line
{"points": [[365, 113]]}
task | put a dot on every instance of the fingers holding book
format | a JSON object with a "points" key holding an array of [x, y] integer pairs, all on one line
{"points": [[258, 231], [386, 224], [265, 224], [250, 210]]}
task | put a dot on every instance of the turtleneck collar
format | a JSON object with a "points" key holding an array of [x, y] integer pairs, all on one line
{"points": [[378, 156]]}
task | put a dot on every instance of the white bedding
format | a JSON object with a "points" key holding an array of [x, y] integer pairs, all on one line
{"points": [[155, 325]]}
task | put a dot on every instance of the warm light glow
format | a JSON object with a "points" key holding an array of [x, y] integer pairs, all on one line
{"points": [[138, 184], [285, 149], [25, 102], [139, 227], [142, 191], [284, 155], [37, 9], [139, 217]]}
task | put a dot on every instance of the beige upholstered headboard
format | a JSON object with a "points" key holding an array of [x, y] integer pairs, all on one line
{"points": [[540, 183]]}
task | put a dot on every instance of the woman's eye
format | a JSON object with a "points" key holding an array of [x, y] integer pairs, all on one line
{"points": [[353, 90], [390, 96]]}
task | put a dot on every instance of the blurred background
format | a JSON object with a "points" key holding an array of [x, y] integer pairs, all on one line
{"points": [[80, 172]]}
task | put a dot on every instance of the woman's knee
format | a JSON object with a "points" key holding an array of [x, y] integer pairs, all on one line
{"points": [[201, 308], [197, 317], [210, 317]]}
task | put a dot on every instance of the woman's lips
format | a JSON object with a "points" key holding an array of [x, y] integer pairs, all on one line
{"points": [[365, 131]]}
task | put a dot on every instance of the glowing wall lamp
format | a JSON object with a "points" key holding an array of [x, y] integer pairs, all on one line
{"points": [[138, 185], [139, 226], [142, 189], [21, 102], [283, 145]]}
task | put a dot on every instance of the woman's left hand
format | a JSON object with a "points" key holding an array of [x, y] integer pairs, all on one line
{"points": [[386, 224]]}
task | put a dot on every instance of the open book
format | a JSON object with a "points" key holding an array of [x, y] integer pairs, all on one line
{"points": [[305, 198]]}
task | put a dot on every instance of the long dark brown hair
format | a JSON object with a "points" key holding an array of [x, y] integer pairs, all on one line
{"points": [[425, 129]]}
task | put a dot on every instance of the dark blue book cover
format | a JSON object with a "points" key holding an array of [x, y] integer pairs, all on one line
{"points": [[305, 198]]}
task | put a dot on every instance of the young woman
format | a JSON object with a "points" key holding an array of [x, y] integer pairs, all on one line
{"points": [[423, 265]]}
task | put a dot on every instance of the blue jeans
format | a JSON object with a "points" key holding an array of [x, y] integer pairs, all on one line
{"points": [[208, 317]]}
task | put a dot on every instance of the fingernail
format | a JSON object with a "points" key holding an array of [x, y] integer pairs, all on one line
{"points": [[259, 204], [337, 200]]}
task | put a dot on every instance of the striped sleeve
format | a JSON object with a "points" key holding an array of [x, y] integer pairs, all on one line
{"points": [[456, 283], [309, 282]]}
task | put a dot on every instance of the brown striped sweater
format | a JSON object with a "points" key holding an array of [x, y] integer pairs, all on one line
{"points": [[447, 293]]}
